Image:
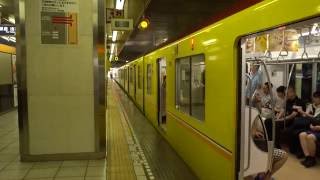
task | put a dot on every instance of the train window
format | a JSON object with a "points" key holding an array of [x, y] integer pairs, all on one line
{"points": [[197, 86], [139, 77], [125, 75], [190, 86], [149, 78], [183, 84], [131, 75]]}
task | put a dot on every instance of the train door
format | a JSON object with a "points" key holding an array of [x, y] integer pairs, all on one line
{"points": [[162, 74], [273, 63], [257, 151]]}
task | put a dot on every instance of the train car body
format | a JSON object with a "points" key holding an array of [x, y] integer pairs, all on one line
{"points": [[202, 123]]}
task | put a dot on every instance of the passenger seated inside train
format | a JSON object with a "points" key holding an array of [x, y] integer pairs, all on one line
{"points": [[308, 142], [311, 135], [280, 102], [293, 103], [279, 156], [262, 99], [301, 124]]}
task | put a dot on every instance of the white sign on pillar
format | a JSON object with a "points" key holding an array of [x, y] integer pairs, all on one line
{"points": [[60, 6], [59, 21]]}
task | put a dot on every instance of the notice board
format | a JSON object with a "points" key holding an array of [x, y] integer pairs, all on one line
{"points": [[59, 21]]}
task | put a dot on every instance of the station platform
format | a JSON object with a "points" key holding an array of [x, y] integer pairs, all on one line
{"points": [[12, 169], [135, 148]]}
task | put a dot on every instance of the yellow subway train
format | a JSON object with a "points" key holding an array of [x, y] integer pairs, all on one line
{"points": [[194, 89]]}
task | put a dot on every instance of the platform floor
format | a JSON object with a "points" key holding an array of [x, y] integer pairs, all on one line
{"points": [[12, 169], [150, 156]]}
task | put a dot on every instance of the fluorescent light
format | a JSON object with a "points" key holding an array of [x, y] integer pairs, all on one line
{"points": [[110, 59], [13, 39], [112, 48], [114, 36], [12, 19], [120, 4], [315, 29]]}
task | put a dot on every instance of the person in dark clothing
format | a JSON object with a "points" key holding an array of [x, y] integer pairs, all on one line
{"points": [[311, 135], [293, 104], [302, 124]]}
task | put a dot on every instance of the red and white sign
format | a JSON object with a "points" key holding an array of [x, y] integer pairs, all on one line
{"points": [[62, 20]]}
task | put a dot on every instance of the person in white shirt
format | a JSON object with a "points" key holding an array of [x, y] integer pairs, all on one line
{"points": [[263, 101], [280, 102]]}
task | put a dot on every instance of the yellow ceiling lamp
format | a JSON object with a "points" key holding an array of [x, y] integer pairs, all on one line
{"points": [[144, 22]]}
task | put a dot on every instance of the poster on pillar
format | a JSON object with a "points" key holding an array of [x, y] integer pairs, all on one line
{"points": [[59, 21]]}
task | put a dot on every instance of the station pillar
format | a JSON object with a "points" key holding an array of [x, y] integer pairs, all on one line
{"points": [[60, 68]]}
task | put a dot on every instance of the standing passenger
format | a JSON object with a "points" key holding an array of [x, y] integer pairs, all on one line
{"points": [[256, 82]]}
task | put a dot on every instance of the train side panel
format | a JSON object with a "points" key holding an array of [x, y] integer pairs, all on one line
{"points": [[139, 83], [150, 89], [132, 84], [209, 146]]}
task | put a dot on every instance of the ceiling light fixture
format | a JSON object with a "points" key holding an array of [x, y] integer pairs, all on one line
{"points": [[144, 23], [112, 48], [111, 56], [120, 4], [12, 19], [114, 36], [13, 39], [315, 29]]}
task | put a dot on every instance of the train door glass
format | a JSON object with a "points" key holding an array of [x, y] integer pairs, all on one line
{"points": [[135, 80], [198, 87], [183, 89], [162, 75], [283, 58], [128, 81], [149, 79], [139, 77]]}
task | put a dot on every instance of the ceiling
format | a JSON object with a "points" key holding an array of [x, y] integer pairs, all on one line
{"points": [[7, 10], [7, 7], [172, 19]]}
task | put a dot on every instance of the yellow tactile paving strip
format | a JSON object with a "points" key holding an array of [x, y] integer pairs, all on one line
{"points": [[119, 162]]}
